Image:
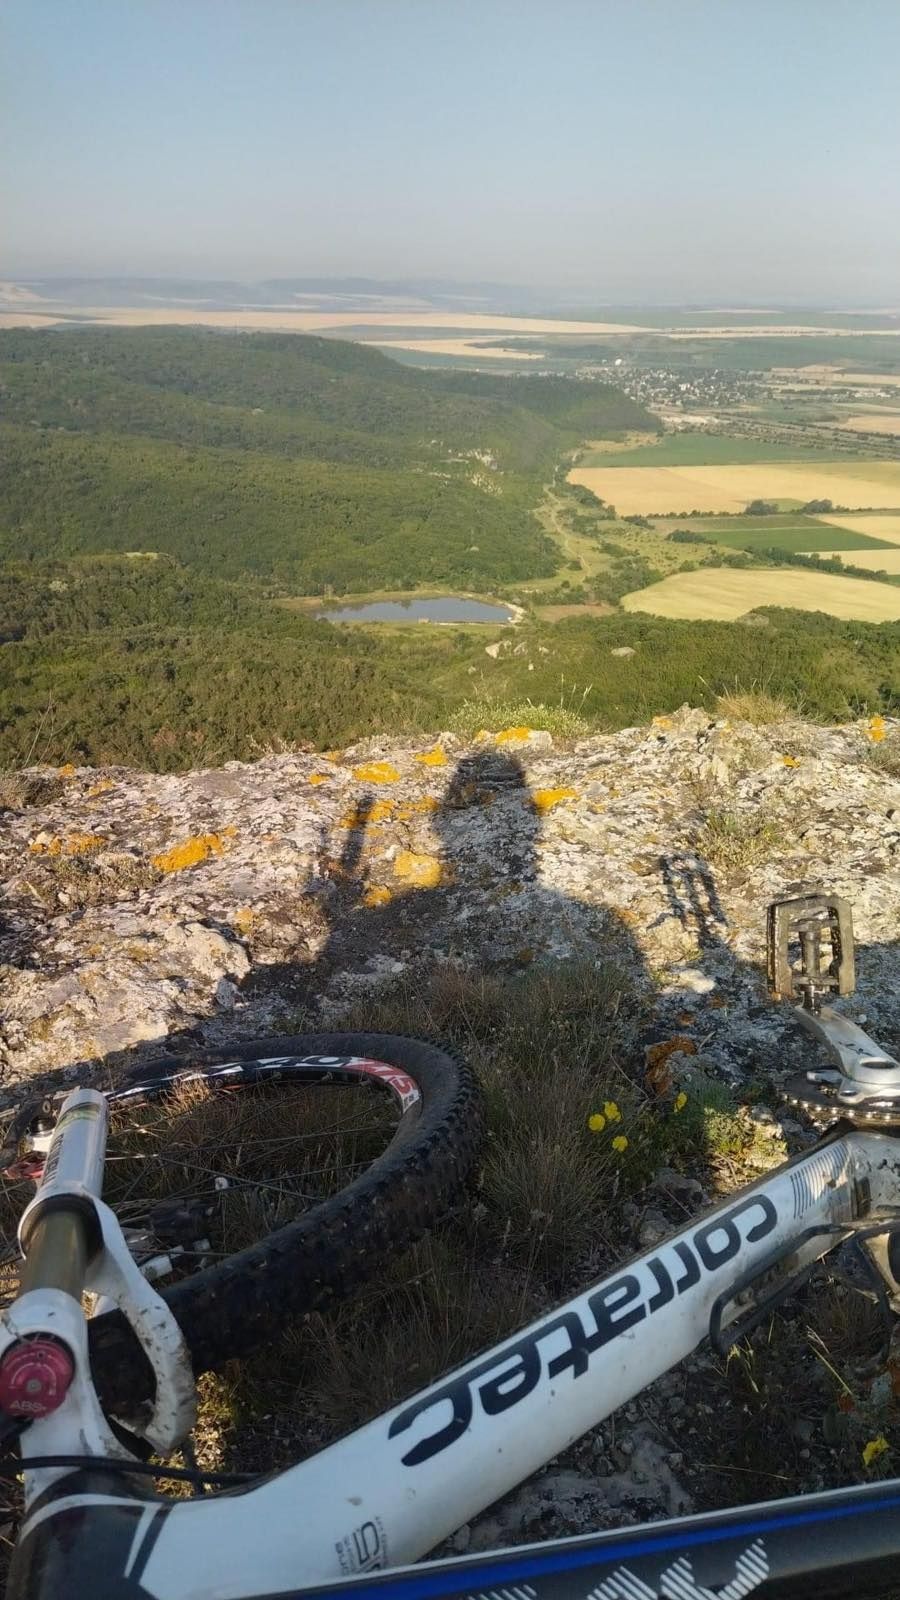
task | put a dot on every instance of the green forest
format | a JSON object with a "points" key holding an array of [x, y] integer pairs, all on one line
{"points": [[161, 489], [150, 664], [318, 465]]}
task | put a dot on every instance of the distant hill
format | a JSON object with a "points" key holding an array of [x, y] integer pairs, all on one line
{"points": [[308, 461]]}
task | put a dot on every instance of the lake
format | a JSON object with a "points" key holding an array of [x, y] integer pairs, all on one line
{"points": [[440, 608]]}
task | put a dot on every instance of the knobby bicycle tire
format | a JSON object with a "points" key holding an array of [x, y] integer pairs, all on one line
{"points": [[233, 1308]]}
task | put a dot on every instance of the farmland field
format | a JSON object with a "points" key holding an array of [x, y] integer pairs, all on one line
{"points": [[782, 532], [887, 559], [873, 422], [875, 527], [698, 450], [724, 593], [654, 491]]}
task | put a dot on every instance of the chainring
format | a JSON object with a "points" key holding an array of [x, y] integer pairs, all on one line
{"points": [[822, 1098]]}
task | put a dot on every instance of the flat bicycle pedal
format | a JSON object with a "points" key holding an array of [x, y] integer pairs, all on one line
{"points": [[809, 949]]}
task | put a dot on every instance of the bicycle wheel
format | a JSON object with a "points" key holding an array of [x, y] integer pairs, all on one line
{"points": [[264, 1183]]}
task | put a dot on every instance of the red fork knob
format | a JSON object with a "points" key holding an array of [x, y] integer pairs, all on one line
{"points": [[35, 1375]]}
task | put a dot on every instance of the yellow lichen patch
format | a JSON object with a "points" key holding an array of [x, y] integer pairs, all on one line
{"points": [[662, 722], [514, 736], [790, 761], [377, 894], [360, 817], [244, 919], [318, 777], [416, 808], [876, 729], [546, 799], [67, 771], [433, 758], [332, 755], [102, 786], [74, 844], [423, 872], [377, 772], [190, 852]]}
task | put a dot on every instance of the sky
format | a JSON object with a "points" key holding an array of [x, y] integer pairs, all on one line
{"points": [[727, 152]]}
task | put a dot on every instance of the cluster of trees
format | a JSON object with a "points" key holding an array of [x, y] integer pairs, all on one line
{"points": [[310, 461], [149, 664]]}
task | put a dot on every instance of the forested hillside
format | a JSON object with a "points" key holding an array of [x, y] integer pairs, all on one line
{"points": [[308, 461], [148, 664]]}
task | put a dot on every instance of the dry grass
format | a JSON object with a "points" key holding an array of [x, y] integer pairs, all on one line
{"points": [[657, 491], [755, 705], [724, 593]]}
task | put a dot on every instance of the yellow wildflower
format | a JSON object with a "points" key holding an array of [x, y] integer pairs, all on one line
{"points": [[874, 1449], [620, 1144], [612, 1112], [597, 1122]]}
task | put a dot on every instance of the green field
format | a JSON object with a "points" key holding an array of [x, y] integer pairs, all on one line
{"points": [[782, 532], [700, 450]]}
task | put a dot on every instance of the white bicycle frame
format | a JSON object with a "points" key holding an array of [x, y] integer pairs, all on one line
{"points": [[394, 1489]]}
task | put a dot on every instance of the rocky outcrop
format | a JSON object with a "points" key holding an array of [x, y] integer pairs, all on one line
{"points": [[216, 904]]}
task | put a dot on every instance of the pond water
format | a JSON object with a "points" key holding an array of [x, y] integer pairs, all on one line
{"points": [[440, 608]]}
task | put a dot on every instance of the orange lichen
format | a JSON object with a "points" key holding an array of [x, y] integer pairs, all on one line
{"points": [[190, 852], [422, 871], [74, 844], [244, 918], [790, 761], [359, 817], [377, 772], [102, 786], [416, 808], [67, 771], [876, 729], [514, 736], [662, 722], [318, 777], [433, 758], [546, 799], [377, 894]]}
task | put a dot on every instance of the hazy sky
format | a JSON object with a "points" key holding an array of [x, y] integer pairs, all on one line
{"points": [[705, 150]]}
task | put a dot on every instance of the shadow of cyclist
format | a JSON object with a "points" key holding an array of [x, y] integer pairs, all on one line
{"points": [[478, 900]]}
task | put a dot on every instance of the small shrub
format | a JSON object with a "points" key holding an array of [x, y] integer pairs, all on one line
{"points": [[735, 841], [885, 757], [563, 721]]}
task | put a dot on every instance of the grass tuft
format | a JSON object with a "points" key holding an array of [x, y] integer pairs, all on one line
{"points": [[755, 705], [562, 721]]}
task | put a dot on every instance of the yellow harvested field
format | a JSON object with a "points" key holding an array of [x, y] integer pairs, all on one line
{"points": [[721, 594], [453, 347], [872, 560], [873, 422], [287, 321], [836, 376], [658, 491], [876, 527]]}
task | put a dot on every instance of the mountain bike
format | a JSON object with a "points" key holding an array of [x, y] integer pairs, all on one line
{"points": [[88, 1398]]}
